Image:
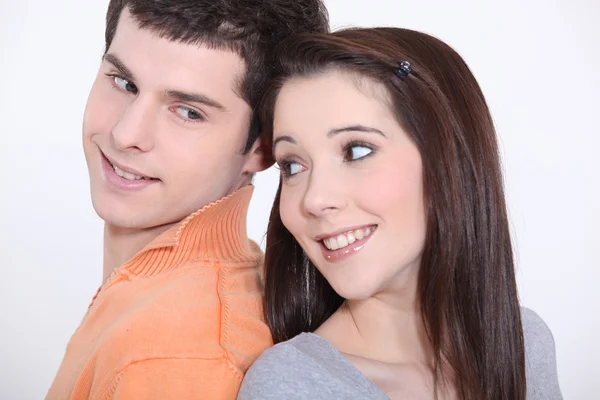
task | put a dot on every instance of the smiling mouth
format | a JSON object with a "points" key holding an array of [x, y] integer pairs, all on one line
{"points": [[130, 176], [346, 239]]}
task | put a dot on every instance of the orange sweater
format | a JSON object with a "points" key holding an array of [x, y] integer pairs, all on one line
{"points": [[180, 320]]}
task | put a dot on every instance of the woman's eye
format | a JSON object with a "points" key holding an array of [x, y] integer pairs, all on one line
{"points": [[294, 168], [125, 85], [290, 168], [356, 152], [188, 113]]}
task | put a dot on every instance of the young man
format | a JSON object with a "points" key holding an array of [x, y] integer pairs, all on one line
{"points": [[171, 143]]}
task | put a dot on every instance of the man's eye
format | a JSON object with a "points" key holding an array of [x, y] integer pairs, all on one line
{"points": [[356, 152], [125, 85], [188, 113]]}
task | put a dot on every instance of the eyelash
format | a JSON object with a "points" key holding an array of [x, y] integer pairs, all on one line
{"points": [[201, 117], [284, 163], [113, 76], [357, 143]]}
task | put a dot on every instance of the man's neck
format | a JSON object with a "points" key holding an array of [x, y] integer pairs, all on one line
{"points": [[121, 244]]}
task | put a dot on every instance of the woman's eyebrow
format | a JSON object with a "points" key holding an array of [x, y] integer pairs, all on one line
{"points": [[354, 128], [284, 138]]}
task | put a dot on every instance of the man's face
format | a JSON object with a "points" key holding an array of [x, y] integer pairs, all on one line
{"points": [[163, 129]]}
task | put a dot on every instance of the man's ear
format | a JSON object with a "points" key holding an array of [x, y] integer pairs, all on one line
{"points": [[259, 157]]}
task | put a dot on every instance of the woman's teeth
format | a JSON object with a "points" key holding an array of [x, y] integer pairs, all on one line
{"points": [[346, 239]]}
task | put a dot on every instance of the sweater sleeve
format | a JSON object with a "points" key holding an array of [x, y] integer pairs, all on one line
{"points": [[540, 358], [181, 379]]}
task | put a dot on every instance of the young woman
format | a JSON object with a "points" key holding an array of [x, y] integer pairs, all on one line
{"points": [[389, 268]]}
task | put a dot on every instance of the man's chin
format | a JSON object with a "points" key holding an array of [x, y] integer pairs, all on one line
{"points": [[123, 222], [125, 217]]}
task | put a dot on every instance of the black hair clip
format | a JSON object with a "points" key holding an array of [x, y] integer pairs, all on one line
{"points": [[404, 68]]}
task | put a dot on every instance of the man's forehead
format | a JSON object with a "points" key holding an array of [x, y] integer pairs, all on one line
{"points": [[132, 42]]}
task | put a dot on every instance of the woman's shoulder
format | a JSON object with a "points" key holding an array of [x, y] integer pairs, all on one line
{"points": [[539, 342], [540, 358], [534, 325], [283, 370], [307, 346]]}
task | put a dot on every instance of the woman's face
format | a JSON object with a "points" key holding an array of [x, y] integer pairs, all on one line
{"points": [[352, 191]]}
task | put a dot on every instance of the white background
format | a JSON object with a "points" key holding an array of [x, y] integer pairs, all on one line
{"points": [[537, 62]]}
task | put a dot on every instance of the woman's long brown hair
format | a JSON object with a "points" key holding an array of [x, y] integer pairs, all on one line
{"points": [[466, 285]]}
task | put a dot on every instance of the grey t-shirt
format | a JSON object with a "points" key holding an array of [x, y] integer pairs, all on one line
{"points": [[309, 367]]}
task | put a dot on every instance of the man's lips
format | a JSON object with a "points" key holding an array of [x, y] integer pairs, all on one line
{"points": [[127, 169]]}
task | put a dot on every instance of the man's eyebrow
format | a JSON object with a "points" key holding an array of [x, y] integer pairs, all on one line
{"points": [[176, 94], [354, 128], [194, 98], [119, 65]]}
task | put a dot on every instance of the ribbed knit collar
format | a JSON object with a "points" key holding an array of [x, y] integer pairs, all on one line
{"points": [[217, 232]]}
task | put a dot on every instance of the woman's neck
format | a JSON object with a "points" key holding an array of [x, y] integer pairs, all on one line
{"points": [[377, 330], [386, 327]]}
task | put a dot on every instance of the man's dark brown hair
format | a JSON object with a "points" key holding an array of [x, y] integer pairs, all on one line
{"points": [[250, 28]]}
